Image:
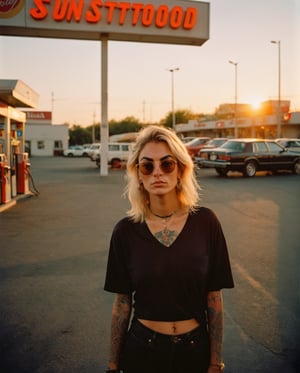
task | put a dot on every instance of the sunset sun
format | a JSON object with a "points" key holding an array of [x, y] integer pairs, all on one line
{"points": [[255, 102]]}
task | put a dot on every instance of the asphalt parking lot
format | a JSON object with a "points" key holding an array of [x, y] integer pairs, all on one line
{"points": [[53, 249], [54, 313]]}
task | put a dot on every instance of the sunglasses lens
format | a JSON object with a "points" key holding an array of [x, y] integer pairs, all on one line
{"points": [[168, 166], [146, 168]]}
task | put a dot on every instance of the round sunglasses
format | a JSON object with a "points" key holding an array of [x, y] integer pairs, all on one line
{"points": [[166, 165]]}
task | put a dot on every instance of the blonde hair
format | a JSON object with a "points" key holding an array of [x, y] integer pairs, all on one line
{"points": [[187, 190]]}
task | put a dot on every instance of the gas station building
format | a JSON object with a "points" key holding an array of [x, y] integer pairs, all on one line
{"points": [[42, 137]]}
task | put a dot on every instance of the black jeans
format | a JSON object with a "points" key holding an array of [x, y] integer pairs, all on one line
{"points": [[146, 351]]}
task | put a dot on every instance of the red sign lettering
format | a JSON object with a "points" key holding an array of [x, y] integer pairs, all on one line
{"points": [[146, 15]]}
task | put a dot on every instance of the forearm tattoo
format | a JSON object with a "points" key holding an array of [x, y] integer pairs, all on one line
{"points": [[120, 319], [215, 324]]}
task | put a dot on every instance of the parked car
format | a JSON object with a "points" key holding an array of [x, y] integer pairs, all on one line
{"points": [[250, 155], [211, 144], [215, 143], [93, 150], [290, 144], [118, 152], [187, 139], [75, 151], [195, 145], [86, 148]]}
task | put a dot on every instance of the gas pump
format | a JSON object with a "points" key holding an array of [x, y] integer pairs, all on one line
{"points": [[15, 149], [23, 173], [5, 186]]}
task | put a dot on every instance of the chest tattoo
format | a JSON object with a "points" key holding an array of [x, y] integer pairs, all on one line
{"points": [[166, 236]]}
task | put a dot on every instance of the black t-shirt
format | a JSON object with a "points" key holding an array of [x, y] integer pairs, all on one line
{"points": [[169, 283]]}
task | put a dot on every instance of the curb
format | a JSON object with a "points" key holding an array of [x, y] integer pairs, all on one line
{"points": [[13, 202]]}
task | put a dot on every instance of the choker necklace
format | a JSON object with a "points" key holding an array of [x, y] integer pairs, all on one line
{"points": [[162, 216]]}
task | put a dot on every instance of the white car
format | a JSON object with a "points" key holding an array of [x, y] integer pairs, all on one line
{"points": [[290, 144], [93, 150], [118, 152], [75, 151]]}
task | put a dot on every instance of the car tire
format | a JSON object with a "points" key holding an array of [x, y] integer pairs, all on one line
{"points": [[221, 171], [116, 163], [296, 167], [250, 169], [70, 155]]}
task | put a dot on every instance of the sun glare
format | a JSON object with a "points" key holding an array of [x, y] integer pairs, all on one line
{"points": [[255, 103]]}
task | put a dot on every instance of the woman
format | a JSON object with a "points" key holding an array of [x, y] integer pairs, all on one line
{"points": [[167, 264]]}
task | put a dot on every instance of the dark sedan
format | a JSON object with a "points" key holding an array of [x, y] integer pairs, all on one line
{"points": [[250, 155]]}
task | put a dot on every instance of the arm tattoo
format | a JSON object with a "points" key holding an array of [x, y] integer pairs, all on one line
{"points": [[215, 324], [121, 312]]}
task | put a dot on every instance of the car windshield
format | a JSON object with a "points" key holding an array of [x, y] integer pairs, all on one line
{"points": [[216, 142], [211, 142], [234, 145]]}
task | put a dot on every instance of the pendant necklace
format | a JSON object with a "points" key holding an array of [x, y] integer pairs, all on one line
{"points": [[166, 236]]}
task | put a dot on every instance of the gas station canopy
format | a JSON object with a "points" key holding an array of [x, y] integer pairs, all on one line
{"points": [[17, 94]]}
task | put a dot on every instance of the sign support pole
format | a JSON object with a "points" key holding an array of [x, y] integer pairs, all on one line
{"points": [[104, 107]]}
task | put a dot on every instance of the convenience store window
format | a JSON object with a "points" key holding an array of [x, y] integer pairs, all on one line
{"points": [[41, 144]]}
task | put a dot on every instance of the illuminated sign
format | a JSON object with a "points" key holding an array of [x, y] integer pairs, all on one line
{"points": [[173, 22]]}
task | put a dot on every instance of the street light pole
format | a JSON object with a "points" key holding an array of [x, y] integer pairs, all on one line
{"points": [[279, 89], [93, 128], [235, 98], [172, 95]]}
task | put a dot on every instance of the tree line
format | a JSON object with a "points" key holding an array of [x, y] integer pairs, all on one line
{"points": [[79, 135]]}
